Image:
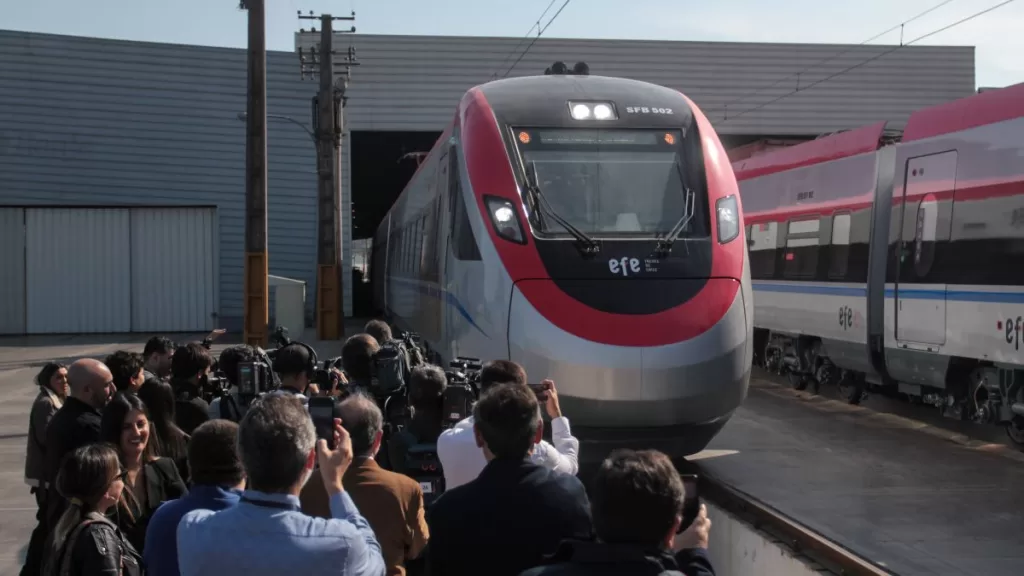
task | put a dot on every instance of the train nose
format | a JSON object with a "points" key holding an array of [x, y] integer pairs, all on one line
{"points": [[689, 381]]}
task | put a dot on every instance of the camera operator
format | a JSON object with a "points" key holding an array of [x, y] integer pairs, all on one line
{"points": [[190, 373], [157, 358], [295, 366], [461, 458], [357, 360], [426, 389], [230, 406], [636, 504]]}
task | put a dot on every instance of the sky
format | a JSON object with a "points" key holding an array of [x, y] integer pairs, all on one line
{"points": [[997, 36]]}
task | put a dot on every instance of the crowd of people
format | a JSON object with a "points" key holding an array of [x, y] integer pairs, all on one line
{"points": [[135, 473]]}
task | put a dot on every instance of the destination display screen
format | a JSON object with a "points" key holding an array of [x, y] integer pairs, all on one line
{"points": [[601, 137]]}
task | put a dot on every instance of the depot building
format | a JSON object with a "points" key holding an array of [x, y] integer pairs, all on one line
{"points": [[122, 164]]}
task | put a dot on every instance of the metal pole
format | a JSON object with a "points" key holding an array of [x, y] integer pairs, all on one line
{"points": [[255, 289]]}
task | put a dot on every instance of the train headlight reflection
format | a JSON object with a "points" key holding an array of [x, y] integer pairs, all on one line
{"points": [[728, 219], [592, 110], [580, 112], [504, 219], [602, 111]]}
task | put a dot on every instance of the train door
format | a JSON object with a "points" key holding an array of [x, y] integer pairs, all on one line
{"points": [[451, 167], [921, 302]]}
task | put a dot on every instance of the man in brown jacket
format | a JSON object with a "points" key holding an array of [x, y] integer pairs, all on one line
{"points": [[390, 502]]}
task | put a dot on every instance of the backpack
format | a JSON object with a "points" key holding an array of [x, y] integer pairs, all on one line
{"points": [[389, 365], [423, 466]]}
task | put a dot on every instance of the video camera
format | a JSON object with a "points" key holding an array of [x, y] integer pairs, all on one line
{"points": [[463, 389]]}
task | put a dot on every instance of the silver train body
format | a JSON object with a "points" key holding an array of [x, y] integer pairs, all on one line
{"points": [[898, 266]]}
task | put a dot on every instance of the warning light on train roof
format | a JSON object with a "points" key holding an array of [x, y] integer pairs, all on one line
{"points": [[524, 137], [592, 110]]}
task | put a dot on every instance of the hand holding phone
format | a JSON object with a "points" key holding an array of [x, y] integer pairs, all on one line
{"points": [[321, 410], [691, 503]]}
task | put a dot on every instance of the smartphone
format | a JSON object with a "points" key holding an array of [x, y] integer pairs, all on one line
{"points": [[691, 504], [540, 392], [321, 410]]}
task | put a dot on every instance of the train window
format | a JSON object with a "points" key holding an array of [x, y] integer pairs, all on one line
{"points": [[924, 238], [801, 253], [763, 242], [463, 242], [839, 251]]}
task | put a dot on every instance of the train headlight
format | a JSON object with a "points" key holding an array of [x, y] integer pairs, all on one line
{"points": [[592, 110], [728, 219], [505, 219]]}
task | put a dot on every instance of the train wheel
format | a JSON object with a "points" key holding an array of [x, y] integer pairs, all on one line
{"points": [[1015, 430], [851, 388], [798, 381]]}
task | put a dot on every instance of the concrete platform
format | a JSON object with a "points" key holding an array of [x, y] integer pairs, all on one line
{"points": [[909, 497]]}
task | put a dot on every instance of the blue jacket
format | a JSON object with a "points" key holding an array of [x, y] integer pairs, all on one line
{"points": [[161, 551]]}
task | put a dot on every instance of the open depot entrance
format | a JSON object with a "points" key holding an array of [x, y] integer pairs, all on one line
{"points": [[380, 170]]}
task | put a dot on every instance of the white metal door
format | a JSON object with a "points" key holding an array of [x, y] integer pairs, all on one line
{"points": [[12, 270], [173, 274], [78, 270], [920, 304]]}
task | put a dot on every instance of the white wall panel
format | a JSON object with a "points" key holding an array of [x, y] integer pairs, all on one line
{"points": [[12, 271], [78, 266], [172, 255]]}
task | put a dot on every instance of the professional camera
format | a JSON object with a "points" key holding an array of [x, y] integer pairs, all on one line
{"points": [[215, 386], [462, 391], [255, 378]]}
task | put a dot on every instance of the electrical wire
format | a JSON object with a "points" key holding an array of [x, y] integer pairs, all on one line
{"points": [[524, 37], [869, 60], [725, 106], [535, 38]]}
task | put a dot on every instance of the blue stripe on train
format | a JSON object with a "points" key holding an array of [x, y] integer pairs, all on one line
{"points": [[435, 291], [912, 293]]}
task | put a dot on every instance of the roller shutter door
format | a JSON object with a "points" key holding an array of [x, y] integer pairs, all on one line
{"points": [[12, 270]]}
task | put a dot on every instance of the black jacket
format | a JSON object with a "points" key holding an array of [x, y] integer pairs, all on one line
{"points": [[98, 549], [73, 426], [506, 520], [599, 559], [189, 410], [163, 483]]}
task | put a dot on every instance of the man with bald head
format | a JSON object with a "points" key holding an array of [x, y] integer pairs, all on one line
{"points": [[392, 503], [77, 423]]}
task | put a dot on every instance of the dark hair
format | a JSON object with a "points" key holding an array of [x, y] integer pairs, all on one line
{"points": [[83, 478], [189, 360], [231, 357], [213, 458], [357, 356], [291, 360], [275, 438], [112, 421], [166, 437], [361, 416], [508, 417], [636, 497], [379, 329], [498, 371], [46, 374], [157, 345], [124, 366], [426, 386]]}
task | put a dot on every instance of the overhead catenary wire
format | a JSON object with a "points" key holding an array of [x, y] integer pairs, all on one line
{"points": [[535, 38], [523, 39], [796, 75], [869, 60]]}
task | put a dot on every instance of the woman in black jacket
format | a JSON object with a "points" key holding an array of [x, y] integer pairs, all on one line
{"points": [[84, 542], [167, 439], [150, 480]]}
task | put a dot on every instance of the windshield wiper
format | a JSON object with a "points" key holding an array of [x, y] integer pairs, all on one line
{"points": [[586, 245], [664, 247]]}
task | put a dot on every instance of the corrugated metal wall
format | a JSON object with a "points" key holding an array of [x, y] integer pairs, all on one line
{"points": [[414, 82], [173, 254], [78, 266], [101, 122], [12, 271]]}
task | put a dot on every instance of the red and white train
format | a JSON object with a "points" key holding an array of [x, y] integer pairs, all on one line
{"points": [[588, 228]]}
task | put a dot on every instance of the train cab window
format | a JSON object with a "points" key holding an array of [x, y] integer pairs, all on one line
{"points": [[463, 242], [801, 253], [763, 242], [839, 251]]}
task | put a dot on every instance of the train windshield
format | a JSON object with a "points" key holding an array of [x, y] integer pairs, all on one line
{"points": [[613, 182]]}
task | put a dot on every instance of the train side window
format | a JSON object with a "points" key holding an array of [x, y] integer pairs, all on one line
{"points": [[924, 238], [839, 251], [801, 253], [463, 243], [763, 242]]}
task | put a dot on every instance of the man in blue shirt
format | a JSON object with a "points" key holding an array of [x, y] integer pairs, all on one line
{"points": [[267, 533], [218, 479]]}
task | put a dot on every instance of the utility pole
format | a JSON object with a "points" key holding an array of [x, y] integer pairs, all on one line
{"points": [[255, 289], [328, 119]]}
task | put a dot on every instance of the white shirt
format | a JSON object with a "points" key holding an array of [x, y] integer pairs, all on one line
{"points": [[462, 460]]}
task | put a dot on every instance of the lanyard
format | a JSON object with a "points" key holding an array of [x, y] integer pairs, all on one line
{"points": [[269, 504]]}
